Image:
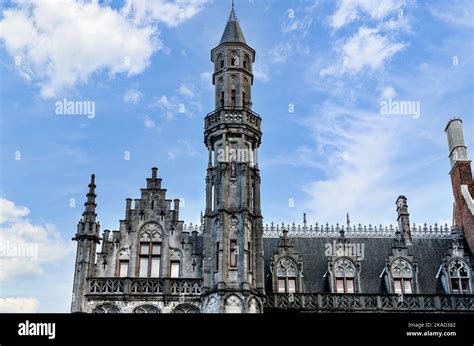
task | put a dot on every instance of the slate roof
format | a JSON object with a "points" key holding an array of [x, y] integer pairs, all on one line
{"points": [[428, 254], [233, 32]]}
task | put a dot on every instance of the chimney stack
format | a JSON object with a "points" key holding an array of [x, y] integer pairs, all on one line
{"points": [[457, 148], [176, 210], [403, 218], [461, 180]]}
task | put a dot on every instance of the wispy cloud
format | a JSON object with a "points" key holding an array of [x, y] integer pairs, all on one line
{"points": [[458, 13], [132, 96]]}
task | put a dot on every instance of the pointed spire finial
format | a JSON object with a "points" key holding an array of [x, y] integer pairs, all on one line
{"points": [[90, 204], [348, 220], [233, 16]]}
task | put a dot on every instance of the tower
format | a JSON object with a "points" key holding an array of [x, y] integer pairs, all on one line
{"points": [[87, 237], [233, 246], [461, 180]]}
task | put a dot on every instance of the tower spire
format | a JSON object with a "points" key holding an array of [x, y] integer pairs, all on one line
{"points": [[233, 32]]}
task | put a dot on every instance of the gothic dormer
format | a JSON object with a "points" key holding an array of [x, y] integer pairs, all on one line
{"points": [[286, 267]]}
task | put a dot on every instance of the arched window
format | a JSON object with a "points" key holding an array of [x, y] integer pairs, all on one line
{"points": [[149, 251], [459, 277], [287, 272], [220, 61], [246, 62], [402, 274], [146, 309], [344, 274], [186, 309], [220, 92], [106, 309]]}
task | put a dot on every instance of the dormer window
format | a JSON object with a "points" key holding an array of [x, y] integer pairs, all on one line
{"points": [[402, 274], [287, 273], [344, 273], [459, 277]]}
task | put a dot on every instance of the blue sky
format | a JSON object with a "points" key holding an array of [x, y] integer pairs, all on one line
{"points": [[333, 62]]}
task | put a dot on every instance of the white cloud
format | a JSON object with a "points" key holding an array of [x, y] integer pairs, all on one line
{"points": [[301, 26], [19, 305], [24, 246], [168, 108], [63, 43], [132, 96], [206, 77], [260, 71], [368, 48], [149, 123], [280, 53], [186, 90], [357, 152], [351, 10], [388, 92], [184, 148], [10, 212], [172, 13]]}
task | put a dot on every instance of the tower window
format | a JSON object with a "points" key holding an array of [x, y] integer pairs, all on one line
{"points": [[233, 98], [243, 100], [249, 257], [402, 274], [217, 256], [222, 99], [222, 63], [233, 253], [212, 197], [459, 276], [152, 204]]}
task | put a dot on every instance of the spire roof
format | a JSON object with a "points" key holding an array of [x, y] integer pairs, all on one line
{"points": [[233, 32]]}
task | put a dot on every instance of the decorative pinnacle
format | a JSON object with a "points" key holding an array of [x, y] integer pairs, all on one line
{"points": [[233, 16], [90, 202]]}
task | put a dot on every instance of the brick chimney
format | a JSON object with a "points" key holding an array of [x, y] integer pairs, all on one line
{"points": [[461, 180]]}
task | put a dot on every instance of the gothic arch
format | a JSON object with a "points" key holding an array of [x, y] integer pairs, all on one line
{"points": [[402, 273], [146, 309], [233, 304], [107, 308], [151, 231], [459, 275], [253, 306], [186, 309]]}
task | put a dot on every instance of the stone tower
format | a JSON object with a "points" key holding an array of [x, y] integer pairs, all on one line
{"points": [[87, 237], [233, 248]]}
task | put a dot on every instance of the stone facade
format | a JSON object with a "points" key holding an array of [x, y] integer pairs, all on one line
{"points": [[231, 263]]}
